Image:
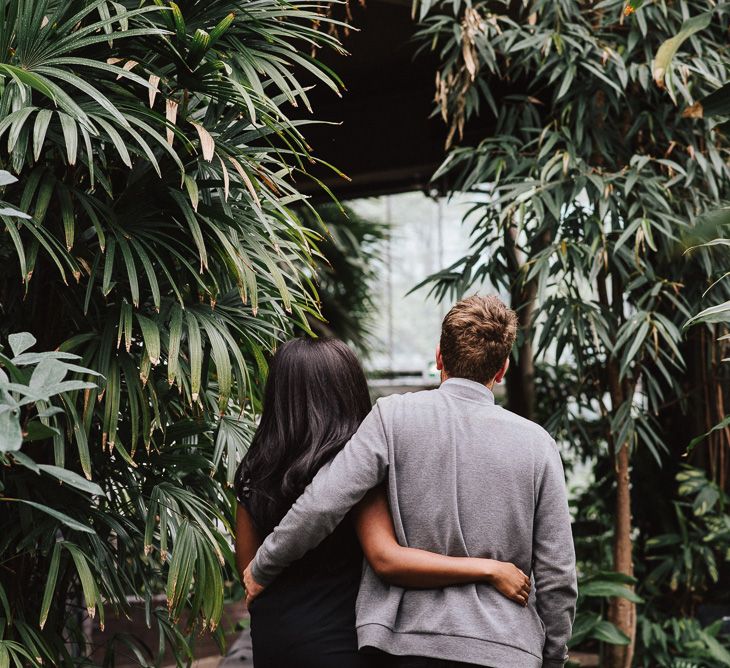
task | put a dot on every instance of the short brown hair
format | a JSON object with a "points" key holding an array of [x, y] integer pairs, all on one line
{"points": [[476, 337]]}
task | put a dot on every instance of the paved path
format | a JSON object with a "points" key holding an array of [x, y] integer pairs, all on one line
{"points": [[239, 655]]}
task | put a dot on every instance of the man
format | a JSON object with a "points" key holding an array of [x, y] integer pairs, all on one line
{"points": [[465, 478]]}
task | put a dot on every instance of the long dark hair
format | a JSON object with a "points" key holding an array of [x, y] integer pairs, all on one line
{"points": [[316, 396]]}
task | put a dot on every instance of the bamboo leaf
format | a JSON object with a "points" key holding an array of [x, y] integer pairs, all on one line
{"points": [[715, 104], [712, 314], [698, 439], [669, 48]]}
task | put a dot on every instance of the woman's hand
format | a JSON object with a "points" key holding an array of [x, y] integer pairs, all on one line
{"points": [[253, 588], [508, 580]]}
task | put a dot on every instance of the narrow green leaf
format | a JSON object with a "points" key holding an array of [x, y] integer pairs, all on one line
{"points": [[698, 439], [669, 48], [222, 363], [67, 215], [131, 269], [88, 584], [719, 313], [61, 517], [195, 349], [50, 588], [17, 127], [151, 336], [73, 479], [192, 188], [117, 140], [173, 349], [70, 136], [109, 255], [79, 431], [194, 227], [39, 131]]}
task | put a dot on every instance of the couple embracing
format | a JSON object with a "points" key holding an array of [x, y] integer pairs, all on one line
{"points": [[458, 506]]}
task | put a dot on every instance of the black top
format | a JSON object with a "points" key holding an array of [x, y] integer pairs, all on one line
{"points": [[306, 617]]}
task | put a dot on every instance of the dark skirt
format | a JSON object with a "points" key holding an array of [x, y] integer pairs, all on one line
{"points": [[306, 617]]}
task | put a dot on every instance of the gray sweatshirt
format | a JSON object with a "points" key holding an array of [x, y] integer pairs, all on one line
{"points": [[464, 478]]}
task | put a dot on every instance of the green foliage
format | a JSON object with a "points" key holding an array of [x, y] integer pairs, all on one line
{"points": [[585, 184], [34, 390], [590, 624], [720, 313], [717, 102], [684, 564], [682, 643], [153, 156], [345, 272], [668, 49], [676, 571], [594, 185]]}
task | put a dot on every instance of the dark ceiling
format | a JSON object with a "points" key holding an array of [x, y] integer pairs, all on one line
{"points": [[385, 140]]}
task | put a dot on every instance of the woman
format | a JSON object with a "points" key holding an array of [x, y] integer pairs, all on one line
{"points": [[315, 398]]}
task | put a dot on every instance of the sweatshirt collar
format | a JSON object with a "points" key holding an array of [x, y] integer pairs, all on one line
{"points": [[468, 389]]}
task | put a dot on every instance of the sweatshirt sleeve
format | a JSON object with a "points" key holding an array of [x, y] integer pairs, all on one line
{"points": [[338, 486], [553, 563]]}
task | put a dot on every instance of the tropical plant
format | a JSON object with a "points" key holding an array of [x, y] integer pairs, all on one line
{"points": [[345, 273], [601, 587], [715, 103], [594, 183], [154, 159], [34, 379], [683, 564], [682, 643]]}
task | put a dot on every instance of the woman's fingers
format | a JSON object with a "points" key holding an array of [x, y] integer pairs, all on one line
{"points": [[526, 580], [520, 597]]}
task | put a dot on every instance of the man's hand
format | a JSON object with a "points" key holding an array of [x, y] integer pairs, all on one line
{"points": [[253, 588]]}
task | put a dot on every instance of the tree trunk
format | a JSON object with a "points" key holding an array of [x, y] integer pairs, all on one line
{"points": [[520, 380], [622, 612]]}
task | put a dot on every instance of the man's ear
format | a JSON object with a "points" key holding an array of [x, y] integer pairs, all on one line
{"points": [[439, 359], [502, 371]]}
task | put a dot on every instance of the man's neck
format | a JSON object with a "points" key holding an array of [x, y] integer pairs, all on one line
{"points": [[489, 385]]}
